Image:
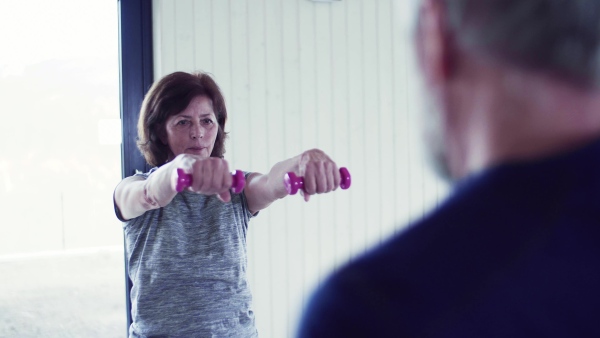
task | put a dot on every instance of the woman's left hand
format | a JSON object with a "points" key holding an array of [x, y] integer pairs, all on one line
{"points": [[321, 174]]}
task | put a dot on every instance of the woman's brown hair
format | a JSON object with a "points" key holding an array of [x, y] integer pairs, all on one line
{"points": [[170, 96]]}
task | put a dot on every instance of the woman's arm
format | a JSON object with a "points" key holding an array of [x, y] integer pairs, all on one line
{"points": [[136, 195], [320, 173]]}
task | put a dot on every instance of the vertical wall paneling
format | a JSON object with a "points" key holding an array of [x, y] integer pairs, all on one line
{"points": [[220, 47], [386, 113], [164, 37], [202, 22], [256, 122], [324, 125], [400, 44], [308, 138], [370, 117], [275, 124], [357, 162], [297, 75], [292, 119], [184, 34], [238, 100], [339, 129]]}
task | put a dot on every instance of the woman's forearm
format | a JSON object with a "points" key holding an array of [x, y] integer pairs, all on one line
{"points": [[263, 189], [136, 195], [321, 176]]}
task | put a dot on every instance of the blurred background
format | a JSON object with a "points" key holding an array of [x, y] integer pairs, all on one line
{"points": [[61, 256], [296, 75]]}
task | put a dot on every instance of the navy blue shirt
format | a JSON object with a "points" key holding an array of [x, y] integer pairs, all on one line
{"points": [[513, 252]]}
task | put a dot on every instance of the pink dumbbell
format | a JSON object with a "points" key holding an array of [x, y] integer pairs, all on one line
{"points": [[185, 180], [293, 182]]}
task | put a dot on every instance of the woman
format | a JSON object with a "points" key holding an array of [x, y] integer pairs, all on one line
{"points": [[187, 251]]}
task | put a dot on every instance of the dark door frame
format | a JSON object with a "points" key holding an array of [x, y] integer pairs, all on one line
{"points": [[136, 77]]}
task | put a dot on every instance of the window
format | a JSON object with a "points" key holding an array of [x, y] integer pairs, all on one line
{"points": [[61, 252]]}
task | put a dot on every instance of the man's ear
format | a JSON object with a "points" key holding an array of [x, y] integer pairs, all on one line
{"points": [[433, 42]]}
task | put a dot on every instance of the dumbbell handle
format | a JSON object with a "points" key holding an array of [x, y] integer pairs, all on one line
{"points": [[293, 183], [185, 180]]}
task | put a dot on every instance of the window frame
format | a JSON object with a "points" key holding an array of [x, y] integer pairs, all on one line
{"points": [[136, 75]]}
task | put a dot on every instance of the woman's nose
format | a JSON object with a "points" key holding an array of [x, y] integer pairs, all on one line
{"points": [[196, 132]]}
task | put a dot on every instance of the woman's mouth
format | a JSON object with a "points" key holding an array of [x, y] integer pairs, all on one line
{"points": [[195, 150]]}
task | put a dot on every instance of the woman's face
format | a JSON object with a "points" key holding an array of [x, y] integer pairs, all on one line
{"points": [[194, 130]]}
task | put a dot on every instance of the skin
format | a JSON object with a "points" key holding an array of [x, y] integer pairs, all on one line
{"points": [[193, 131], [484, 112], [190, 136]]}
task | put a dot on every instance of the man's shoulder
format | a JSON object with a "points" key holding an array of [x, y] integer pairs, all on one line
{"points": [[368, 297], [414, 277], [378, 294]]}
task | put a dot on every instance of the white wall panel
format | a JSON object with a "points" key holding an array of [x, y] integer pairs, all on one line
{"points": [[297, 75]]}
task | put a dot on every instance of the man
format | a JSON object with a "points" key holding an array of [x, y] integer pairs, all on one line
{"points": [[515, 250]]}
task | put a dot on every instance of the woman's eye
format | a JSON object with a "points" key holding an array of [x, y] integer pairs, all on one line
{"points": [[182, 122], [207, 121]]}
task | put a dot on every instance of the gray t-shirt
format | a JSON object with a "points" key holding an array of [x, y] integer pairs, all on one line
{"points": [[187, 262]]}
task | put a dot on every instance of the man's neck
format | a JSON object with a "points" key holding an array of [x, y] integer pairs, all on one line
{"points": [[508, 115]]}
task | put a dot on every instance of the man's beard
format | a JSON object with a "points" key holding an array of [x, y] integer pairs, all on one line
{"points": [[435, 143]]}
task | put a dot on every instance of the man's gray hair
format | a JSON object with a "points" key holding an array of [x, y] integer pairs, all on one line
{"points": [[560, 37]]}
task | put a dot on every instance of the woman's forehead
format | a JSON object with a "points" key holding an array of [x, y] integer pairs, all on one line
{"points": [[199, 106], [201, 102]]}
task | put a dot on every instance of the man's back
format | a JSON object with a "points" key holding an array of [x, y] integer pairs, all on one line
{"points": [[515, 252]]}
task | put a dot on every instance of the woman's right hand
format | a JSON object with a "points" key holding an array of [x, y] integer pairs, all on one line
{"points": [[136, 195], [211, 176]]}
